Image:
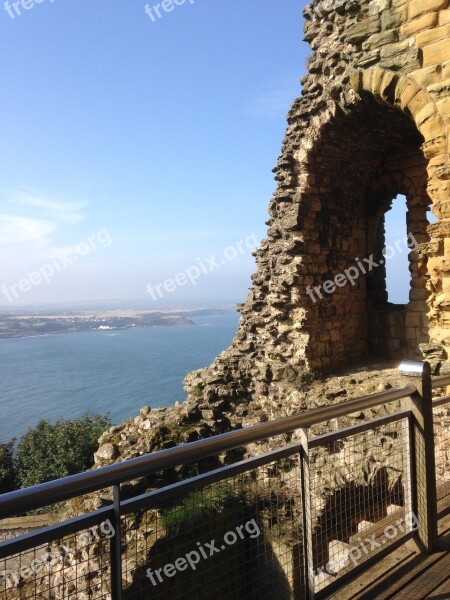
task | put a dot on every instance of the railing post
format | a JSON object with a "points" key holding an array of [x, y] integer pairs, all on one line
{"points": [[306, 516], [115, 549], [423, 454]]}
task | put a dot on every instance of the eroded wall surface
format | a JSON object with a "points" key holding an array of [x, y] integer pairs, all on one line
{"points": [[372, 123]]}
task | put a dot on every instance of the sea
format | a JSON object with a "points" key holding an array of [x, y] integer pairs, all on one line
{"points": [[103, 372]]}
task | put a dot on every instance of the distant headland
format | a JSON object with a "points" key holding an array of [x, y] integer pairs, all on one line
{"points": [[16, 324]]}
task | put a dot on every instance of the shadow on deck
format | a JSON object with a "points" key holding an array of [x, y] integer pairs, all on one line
{"points": [[405, 574]]}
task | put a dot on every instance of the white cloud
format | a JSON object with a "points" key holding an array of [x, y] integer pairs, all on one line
{"points": [[36, 218], [18, 230], [64, 212]]}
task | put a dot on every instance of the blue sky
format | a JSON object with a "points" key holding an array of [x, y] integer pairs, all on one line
{"points": [[162, 134]]}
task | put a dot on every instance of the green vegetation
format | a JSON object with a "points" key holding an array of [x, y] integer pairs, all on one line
{"points": [[17, 326], [47, 451], [7, 468], [197, 508], [197, 391]]}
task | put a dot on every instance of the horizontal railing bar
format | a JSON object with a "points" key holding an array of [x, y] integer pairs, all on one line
{"points": [[155, 498], [21, 501], [28, 541], [440, 381], [333, 436], [52, 533], [441, 401]]}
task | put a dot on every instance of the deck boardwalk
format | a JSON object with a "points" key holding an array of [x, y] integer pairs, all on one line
{"points": [[405, 575]]}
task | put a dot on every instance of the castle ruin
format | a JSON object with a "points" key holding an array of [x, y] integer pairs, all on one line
{"points": [[372, 123]]}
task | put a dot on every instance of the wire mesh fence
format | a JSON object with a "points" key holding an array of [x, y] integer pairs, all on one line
{"points": [[359, 505], [74, 567], [284, 524], [441, 417], [237, 539]]}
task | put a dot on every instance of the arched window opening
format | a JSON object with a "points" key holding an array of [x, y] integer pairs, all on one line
{"points": [[398, 276], [431, 217]]}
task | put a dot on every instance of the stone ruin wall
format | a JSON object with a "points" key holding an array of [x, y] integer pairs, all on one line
{"points": [[372, 123]]}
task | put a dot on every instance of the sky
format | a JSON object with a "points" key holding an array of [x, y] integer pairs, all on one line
{"points": [[138, 150]]}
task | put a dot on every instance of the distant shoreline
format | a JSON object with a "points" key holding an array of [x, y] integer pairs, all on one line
{"points": [[105, 332], [36, 325]]}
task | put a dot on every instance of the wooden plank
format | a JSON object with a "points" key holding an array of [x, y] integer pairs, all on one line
{"points": [[399, 576], [391, 577], [362, 585], [442, 592], [434, 576]]}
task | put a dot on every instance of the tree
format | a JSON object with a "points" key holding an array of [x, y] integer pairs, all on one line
{"points": [[8, 480], [49, 452]]}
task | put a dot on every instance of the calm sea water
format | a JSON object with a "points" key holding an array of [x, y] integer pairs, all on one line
{"points": [[66, 374]]}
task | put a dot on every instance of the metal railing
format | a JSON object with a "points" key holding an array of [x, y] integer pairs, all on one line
{"points": [[441, 423], [292, 522]]}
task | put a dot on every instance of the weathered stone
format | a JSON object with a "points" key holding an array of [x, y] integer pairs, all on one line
{"points": [[394, 17], [360, 31], [422, 23], [107, 452], [430, 36], [436, 53], [445, 369], [440, 90], [419, 7], [440, 230], [433, 248], [444, 17], [406, 60], [380, 39], [427, 76], [393, 49], [145, 410]]}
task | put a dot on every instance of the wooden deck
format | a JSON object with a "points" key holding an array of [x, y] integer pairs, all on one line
{"points": [[405, 575]]}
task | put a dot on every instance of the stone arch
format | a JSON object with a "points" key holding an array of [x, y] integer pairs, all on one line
{"points": [[405, 93], [359, 155]]}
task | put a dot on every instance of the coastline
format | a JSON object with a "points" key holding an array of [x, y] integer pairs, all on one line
{"points": [[16, 326], [93, 330]]}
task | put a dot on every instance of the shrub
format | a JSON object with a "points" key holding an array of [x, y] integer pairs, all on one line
{"points": [[8, 479], [48, 452]]}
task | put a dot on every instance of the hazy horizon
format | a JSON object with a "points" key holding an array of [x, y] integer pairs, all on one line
{"points": [[124, 304], [147, 159]]}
